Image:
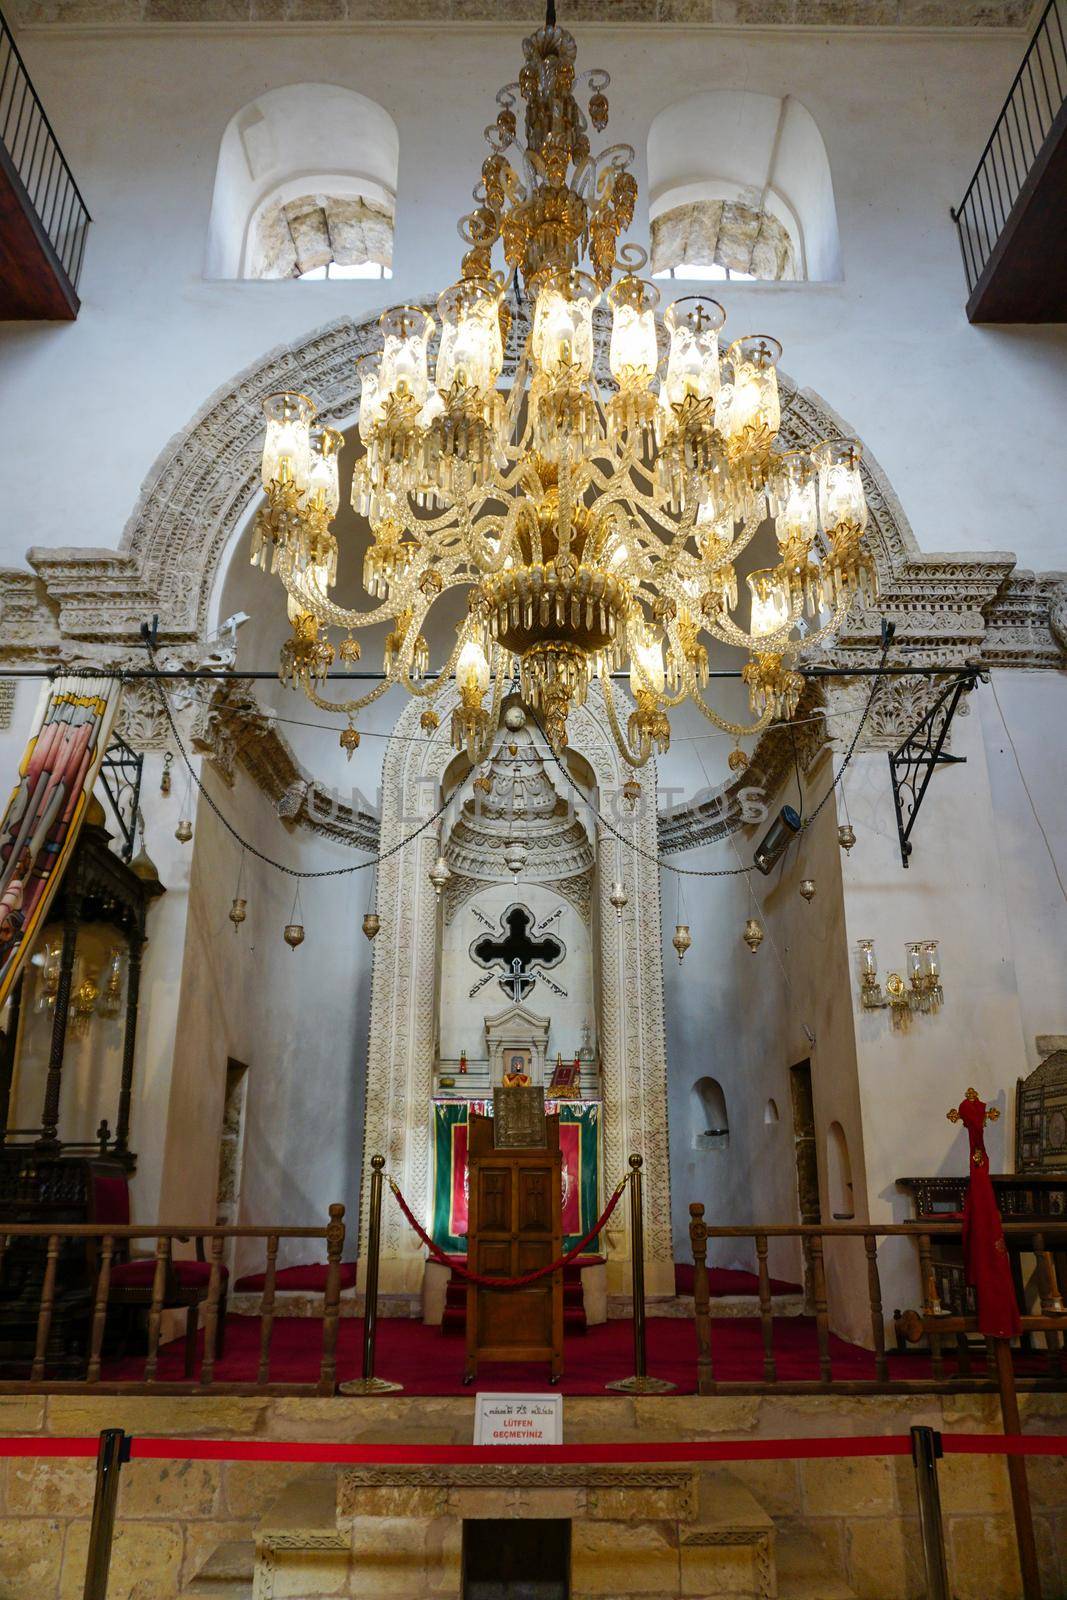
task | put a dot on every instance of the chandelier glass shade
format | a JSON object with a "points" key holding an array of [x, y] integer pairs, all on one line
{"points": [[592, 531]]}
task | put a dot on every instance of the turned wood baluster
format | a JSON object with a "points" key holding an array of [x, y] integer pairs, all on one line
{"points": [[103, 1285], [44, 1315], [331, 1307], [211, 1315], [822, 1319], [874, 1296], [698, 1238], [266, 1310], [1051, 1302], [155, 1311], [766, 1313], [931, 1303]]}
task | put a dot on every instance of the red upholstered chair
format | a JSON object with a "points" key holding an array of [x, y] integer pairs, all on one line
{"points": [[132, 1276]]}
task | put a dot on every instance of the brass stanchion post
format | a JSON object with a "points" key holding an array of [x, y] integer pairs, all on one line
{"points": [[368, 1383], [640, 1383], [113, 1450], [925, 1454]]}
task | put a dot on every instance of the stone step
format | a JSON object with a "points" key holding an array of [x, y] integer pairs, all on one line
{"points": [[620, 1306], [307, 1504], [802, 1570], [227, 1574]]}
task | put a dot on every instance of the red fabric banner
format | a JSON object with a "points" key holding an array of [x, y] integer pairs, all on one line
{"points": [[985, 1254]]}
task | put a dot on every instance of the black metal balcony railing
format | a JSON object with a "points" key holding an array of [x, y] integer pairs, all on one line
{"points": [[31, 153], [1034, 102]]}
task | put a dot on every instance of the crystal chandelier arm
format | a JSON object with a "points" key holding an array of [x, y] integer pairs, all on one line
{"points": [[426, 691], [739, 730], [324, 610], [348, 708], [634, 758]]}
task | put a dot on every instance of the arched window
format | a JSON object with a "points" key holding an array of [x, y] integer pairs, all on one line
{"points": [[710, 1121], [839, 1174], [770, 1111], [284, 208], [740, 187]]}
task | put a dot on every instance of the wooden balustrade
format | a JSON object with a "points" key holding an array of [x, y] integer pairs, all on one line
{"points": [[70, 1293], [933, 1322]]}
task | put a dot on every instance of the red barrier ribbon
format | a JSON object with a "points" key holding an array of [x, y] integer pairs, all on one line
{"points": [[683, 1451], [507, 1283]]}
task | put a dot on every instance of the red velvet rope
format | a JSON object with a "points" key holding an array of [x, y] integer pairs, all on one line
{"points": [[506, 1283], [685, 1450]]}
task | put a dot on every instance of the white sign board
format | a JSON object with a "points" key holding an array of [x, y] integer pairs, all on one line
{"points": [[506, 1419]]}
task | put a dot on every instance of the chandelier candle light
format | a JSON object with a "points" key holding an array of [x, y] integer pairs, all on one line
{"points": [[590, 531]]}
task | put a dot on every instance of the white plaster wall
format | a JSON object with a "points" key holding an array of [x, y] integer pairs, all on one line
{"points": [[296, 1018], [954, 890], [947, 409], [462, 1016], [1034, 708]]}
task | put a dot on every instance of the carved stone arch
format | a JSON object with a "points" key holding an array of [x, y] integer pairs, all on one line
{"points": [[403, 994]]}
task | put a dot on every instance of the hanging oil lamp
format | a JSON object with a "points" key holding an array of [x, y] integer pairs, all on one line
{"points": [[238, 911], [619, 898], [846, 836], [682, 940], [753, 934], [371, 924], [184, 831], [439, 875], [293, 933], [807, 889]]}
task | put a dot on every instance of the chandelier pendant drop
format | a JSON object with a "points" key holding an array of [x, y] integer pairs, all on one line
{"points": [[592, 531]]}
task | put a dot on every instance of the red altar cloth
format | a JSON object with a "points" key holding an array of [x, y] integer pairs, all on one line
{"points": [[985, 1254]]}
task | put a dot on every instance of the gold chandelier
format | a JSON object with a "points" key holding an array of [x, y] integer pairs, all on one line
{"points": [[590, 530]]}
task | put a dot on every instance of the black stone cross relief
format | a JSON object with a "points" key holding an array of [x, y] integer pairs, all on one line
{"points": [[517, 952]]}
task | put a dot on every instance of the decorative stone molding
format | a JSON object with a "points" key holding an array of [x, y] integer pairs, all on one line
{"points": [[663, 14], [404, 1000]]}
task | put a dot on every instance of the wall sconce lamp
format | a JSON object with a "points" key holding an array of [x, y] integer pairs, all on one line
{"points": [[919, 991]]}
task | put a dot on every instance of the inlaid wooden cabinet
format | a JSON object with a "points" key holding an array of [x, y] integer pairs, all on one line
{"points": [[514, 1226]]}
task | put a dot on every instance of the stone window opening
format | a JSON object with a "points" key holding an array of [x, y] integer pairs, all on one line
{"points": [[320, 236], [740, 189], [277, 212], [711, 1120], [839, 1174], [722, 239]]}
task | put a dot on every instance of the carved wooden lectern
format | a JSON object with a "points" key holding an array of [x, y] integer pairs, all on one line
{"points": [[514, 1226]]}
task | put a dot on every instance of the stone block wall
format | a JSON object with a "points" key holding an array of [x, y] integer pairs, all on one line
{"points": [[637, 1532]]}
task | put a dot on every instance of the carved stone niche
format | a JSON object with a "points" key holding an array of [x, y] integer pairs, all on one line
{"points": [[516, 1030], [1041, 1110]]}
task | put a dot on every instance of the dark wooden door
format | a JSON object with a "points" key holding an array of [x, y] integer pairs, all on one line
{"points": [[514, 1227], [516, 1559], [807, 1159]]}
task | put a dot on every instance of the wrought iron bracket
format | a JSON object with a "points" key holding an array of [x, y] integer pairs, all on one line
{"points": [[912, 764], [120, 775]]}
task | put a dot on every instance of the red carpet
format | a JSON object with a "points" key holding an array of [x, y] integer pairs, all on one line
{"points": [[726, 1281], [427, 1363]]}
